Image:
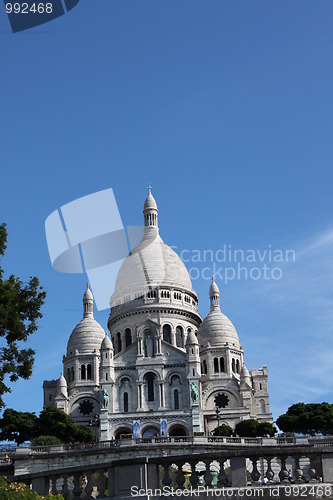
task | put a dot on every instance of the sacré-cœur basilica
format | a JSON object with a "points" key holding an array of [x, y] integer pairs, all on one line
{"points": [[161, 361]]}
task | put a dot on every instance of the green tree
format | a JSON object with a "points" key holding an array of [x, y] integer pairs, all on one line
{"points": [[312, 418], [247, 428], [17, 426], [223, 430], [54, 422], [45, 441], [266, 428], [20, 305]]}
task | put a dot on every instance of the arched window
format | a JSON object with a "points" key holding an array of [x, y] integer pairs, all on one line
{"points": [[262, 406], [50, 397], [118, 342], [89, 372], [222, 365], [83, 372], [72, 374], [106, 375], [167, 333], [179, 337], [68, 375], [128, 337], [233, 365], [176, 399], [216, 365], [237, 366], [125, 402], [150, 379], [204, 363]]}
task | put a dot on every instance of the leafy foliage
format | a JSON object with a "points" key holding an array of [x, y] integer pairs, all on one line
{"points": [[19, 491], [247, 428], [20, 305], [54, 422], [51, 424], [45, 441], [312, 418], [253, 428], [223, 430], [17, 426]]}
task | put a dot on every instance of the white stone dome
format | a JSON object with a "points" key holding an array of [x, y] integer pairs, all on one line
{"points": [[86, 336], [62, 381], [106, 344], [218, 330], [150, 264]]}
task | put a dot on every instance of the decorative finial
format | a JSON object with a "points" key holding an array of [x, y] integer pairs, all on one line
{"points": [[213, 278], [149, 189], [88, 285]]}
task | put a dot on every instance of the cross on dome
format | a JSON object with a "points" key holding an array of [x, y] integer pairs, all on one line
{"points": [[149, 189]]}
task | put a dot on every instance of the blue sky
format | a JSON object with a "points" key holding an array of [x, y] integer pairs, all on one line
{"points": [[225, 107]]}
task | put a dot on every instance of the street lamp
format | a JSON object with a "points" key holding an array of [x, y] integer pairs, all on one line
{"points": [[95, 422], [217, 411]]}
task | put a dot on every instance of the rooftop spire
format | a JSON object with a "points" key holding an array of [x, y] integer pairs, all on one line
{"points": [[214, 295], [150, 210], [88, 303]]}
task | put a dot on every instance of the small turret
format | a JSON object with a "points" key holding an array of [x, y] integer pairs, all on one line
{"points": [[62, 385]]}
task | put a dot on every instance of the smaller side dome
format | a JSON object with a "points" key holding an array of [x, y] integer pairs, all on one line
{"points": [[244, 372], [106, 343], [62, 381], [191, 338]]}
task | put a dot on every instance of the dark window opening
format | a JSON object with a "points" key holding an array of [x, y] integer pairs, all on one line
{"points": [[167, 333], [176, 399], [128, 337], [125, 402]]}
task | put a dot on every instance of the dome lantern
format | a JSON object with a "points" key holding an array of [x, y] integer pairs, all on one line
{"points": [[88, 303], [214, 295], [150, 210]]}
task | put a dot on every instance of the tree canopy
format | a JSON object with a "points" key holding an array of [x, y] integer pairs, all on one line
{"points": [[54, 422], [253, 428], [20, 305], [223, 430], [19, 427], [311, 418]]}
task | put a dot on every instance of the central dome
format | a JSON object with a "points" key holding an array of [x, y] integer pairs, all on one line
{"points": [[150, 264]]}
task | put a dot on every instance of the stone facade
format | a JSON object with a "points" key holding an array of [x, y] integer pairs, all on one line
{"points": [[161, 360]]}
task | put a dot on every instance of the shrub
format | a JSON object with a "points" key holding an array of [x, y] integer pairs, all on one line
{"points": [[46, 441], [19, 491]]}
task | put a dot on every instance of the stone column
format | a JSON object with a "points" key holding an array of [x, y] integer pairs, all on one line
{"points": [[327, 466], [41, 485], [161, 393], [173, 335], [139, 396], [238, 471]]}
